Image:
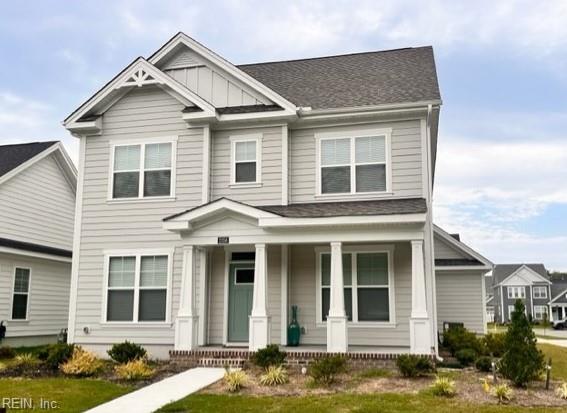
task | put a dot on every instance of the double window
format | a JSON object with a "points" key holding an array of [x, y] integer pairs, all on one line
{"points": [[367, 281], [516, 292], [137, 288], [540, 291], [245, 160], [143, 170], [20, 298], [540, 311], [353, 164]]}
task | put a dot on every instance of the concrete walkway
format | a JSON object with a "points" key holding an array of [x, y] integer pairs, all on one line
{"points": [[560, 342], [150, 398]]}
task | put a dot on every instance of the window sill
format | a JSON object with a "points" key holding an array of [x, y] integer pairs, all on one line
{"points": [[26, 321], [364, 324], [137, 200], [246, 185], [360, 195], [118, 324]]}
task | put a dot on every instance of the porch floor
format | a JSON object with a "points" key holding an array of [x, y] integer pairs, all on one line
{"points": [[307, 348]]}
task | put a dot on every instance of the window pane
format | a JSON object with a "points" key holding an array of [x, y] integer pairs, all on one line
{"points": [[326, 269], [19, 306], [325, 302], [152, 305], [245, 151], [126, 157], [22, 280], [153, 271], [157, 155], [335, 152], [157, 183], [121, 271], [243, 256], [371, 178], [244, 276], [373, 304], [370, 149], [372, 269], [245, 172], [335, 179], [126, 185], [120, 306]]}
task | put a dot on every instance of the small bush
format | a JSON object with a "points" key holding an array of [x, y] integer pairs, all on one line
{"points": [[459, 338], [235, 380], [7, 352], [82, 363], [483, 363], [56, 354], [126, 351], [444, 387], [503, 393], [466, 356], [324, 370], [134, 370], [269, 356], [2, 366], [274, 376], [25, 361], [411, 365], [561, 391], [374, 373], [494, 344]]}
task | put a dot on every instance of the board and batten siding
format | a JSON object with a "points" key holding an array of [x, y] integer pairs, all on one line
{"points": [[459, 299], [37, 205], [48, 300], [407, 180]]}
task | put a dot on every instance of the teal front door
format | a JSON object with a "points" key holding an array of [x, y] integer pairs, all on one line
{"points": [[240, 290]]}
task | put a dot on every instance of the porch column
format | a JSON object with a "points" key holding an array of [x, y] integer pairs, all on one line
{"points": [[420, 331], [259, 331], [337, 338], [186, 323], [203, 269]]}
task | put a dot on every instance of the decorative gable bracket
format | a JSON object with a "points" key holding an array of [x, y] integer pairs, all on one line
{"points": [[139, 77]]}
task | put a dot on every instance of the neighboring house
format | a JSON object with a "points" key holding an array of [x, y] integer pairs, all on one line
{"points": [[214, 197], [489, 297], [37, 205], [558, 300], [528, 282]]}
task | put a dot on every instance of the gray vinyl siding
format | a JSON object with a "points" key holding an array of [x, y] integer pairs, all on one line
{"points": [[459, 299], [37, 205], [406, 151], [48, 299], [271, 176], [511, 301]]}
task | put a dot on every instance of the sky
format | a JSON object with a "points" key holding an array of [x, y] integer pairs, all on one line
{"points": [[501, 178]]}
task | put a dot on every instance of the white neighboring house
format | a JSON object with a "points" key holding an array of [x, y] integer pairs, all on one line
{"points": [[37, 205]]}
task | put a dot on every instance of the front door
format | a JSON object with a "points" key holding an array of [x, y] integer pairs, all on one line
{"points": [[240, 290]]}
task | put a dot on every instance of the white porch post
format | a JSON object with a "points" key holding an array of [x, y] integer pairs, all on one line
{"points": [[187, 320], [284, 294], [337, 338], [259, 321], [420, 331], [203, 296]]}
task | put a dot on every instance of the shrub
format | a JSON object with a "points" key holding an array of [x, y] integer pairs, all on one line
{"points": [[459, 338], [2, 366], [494, 344], [134, 370], [25, 361], [324, 370], [523, 361], [483, 363], [82, 363], [56, 354], [444, 387], [411, 365], [466, 356], [274, 376], [7, 352], [561, 391], [502, 392], [235, 380], [271, 355], [126, 351]]}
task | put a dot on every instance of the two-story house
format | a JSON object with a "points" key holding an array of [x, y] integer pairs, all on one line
{"points": [[214, 197], [37, 203]]}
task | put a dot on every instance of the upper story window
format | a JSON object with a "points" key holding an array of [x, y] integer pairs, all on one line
{"points": [[516, 292], [540, 292], [20, 298], [353, 163], [245, 160], [143, 170]]}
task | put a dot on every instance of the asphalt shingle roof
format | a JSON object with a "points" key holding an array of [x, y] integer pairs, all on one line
{"points": [[358, 79], [12, 156], [452, 262], [502, 271]]}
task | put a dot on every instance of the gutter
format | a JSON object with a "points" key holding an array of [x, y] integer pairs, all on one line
{"points": [[308, 112]]}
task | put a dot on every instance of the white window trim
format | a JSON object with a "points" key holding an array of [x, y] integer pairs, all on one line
{"points": [[240, 269], [352, 135], [143, 142], [138, 253], [539, 288], [387, 249], [257, 138], [20, 320], [535, 312], [511, 290]]}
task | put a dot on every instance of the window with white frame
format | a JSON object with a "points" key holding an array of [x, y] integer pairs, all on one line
{"points": [[143, 170], [246, 159], [367, 283], [20, 297], [516, 292], [540, 291], [356, 164], [540, 311], [510, 311], [137, 288]]}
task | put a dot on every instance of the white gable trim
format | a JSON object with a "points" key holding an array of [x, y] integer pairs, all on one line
{"points": [[207, 54], [529, 282], [33, 254], [558, 296], [461, 246]]}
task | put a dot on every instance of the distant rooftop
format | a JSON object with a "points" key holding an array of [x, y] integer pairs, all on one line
{"points": [[12, 156]]}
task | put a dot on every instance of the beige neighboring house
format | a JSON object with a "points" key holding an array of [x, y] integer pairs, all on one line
{"points": [[213, 197], [37, 206]]}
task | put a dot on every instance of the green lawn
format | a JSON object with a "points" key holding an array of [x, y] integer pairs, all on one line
{"points": [[396, 403], [558, 360], [71, 395]]}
